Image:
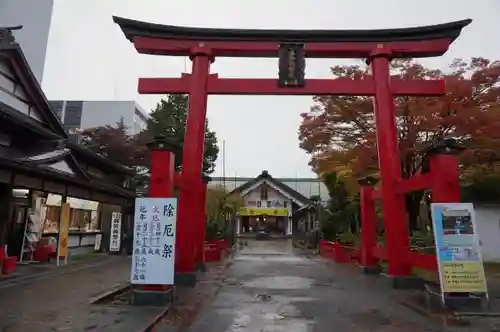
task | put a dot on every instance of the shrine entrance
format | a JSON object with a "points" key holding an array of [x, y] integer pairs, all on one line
{"points": [[292, 47]]}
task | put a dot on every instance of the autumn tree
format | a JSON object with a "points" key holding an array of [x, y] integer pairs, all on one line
{"points": [[113, 142], [168, 119], [339, 131]]}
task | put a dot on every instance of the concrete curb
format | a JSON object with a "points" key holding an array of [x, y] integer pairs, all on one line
{"points": [[70, 268], [120, 288], [152, 325]]}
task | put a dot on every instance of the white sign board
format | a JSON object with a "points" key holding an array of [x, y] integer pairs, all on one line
{"points": [[154, 241], [97, 243], [115, 233], [457, 248]]}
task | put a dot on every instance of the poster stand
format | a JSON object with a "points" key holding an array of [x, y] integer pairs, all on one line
{"points": [[460, 265]]}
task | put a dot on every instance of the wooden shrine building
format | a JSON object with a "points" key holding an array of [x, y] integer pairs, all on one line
{"points": [[36, 152]]}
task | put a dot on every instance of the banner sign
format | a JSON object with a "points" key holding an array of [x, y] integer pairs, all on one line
{"points": [[249, 211], [457, 248], [115, 233], [62, 245], [98, 241], [154, 241]]}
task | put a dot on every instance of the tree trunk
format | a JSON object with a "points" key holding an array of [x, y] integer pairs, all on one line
{"points": [[413, 210]]}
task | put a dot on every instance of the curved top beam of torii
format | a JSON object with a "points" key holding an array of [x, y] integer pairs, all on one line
{"points": [[133, 28]]}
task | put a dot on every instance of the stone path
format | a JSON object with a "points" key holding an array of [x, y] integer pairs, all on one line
{"points": [[272, 288], [61, 301]]}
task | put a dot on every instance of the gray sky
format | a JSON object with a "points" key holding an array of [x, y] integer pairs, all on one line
{"points": [[88, 58]]}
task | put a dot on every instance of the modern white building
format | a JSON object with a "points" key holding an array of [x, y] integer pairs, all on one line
{"points": [[35, 17], [488, 230], [307, 187], [85, 114]]}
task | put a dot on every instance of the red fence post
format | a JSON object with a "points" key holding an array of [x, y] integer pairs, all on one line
{"points": [[445, 177], [161, 179], [393, 203], [369, 262]]}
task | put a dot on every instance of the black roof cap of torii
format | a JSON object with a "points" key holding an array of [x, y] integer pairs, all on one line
{"points": [[133, 28]]}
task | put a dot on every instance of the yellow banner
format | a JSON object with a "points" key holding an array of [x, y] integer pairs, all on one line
{"points": [[63, 231], [263, 211], [460, 277]]}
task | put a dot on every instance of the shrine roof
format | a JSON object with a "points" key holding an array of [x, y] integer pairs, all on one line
{"points": [[84, 154], [133, 28], [265, 176], [12, 52]]}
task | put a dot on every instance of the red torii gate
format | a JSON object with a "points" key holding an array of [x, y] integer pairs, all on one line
{"points": [[202, 46]]}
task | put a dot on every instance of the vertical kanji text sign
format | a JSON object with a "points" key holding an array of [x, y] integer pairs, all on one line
{"points": [[154, 241], [116, 230]]}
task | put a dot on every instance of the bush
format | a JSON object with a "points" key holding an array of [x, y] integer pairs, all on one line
{"points": [[213, 231], [348, 239]]}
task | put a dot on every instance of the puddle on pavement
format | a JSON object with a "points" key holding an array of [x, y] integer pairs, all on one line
{"points": [[280, 282], [278, 315], [270, 258]]}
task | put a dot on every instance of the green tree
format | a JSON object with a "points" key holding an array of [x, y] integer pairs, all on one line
{"points": [[220, 205], [168, 119], [343, 209]]}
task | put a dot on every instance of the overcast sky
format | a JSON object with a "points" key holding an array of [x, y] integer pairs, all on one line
{"points": [[88, 58]]}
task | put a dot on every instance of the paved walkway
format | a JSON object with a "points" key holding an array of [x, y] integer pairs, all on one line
{"points": [[271, 288], [60, 300]]}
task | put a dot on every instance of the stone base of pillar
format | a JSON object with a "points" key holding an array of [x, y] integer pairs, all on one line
{"points": [[202, 267], [406, 282], [185, 279], [371, 269], [159, 298]]}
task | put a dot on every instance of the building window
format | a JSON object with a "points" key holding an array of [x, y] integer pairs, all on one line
{"points": [[285, 204]]}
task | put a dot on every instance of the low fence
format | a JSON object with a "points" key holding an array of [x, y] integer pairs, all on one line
{"points": [[214, 249], [347, 254]]}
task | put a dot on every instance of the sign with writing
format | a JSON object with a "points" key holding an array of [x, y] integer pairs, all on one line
{"points": [[457, 248], [62, 245], [154, 241], [97, 243], [115, 233], [292, 63], [278, 212], [269, 204]]}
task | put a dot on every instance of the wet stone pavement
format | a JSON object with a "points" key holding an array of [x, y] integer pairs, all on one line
{"points": [[272, 287], [60, 301]]}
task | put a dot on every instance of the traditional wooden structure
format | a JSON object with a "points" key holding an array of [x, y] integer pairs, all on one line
{"points": [[379, 47], [36, 152]]}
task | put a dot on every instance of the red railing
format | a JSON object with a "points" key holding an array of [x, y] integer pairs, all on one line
{"points": [[213, 250], [380, 253], [421, 260], [339, 253], [347, 254]]}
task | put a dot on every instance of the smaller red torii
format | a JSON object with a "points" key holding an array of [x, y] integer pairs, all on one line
{"points": [[164, 179]]}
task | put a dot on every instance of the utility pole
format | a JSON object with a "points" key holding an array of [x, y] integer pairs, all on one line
{"points": [[224, 164]]}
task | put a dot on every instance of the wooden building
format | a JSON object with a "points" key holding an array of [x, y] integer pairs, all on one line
{"points": [[268, 203], [37, 154]]}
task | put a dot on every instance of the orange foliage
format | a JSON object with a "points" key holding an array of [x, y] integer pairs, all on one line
{"points": [[339, 131]]}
